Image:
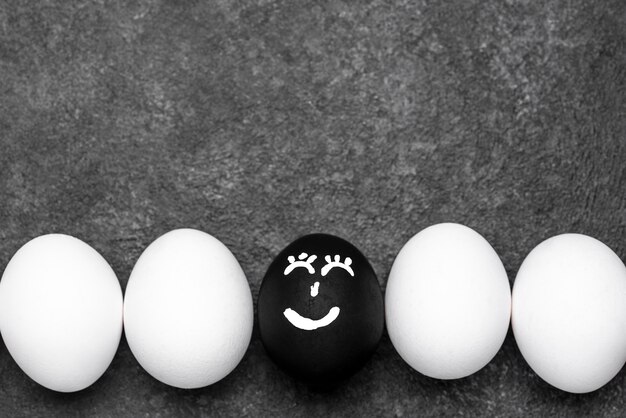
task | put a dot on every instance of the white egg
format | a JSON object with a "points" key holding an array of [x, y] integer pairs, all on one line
{"points": [[448, 302], [188, 310], [61, 312], [569, 312]]}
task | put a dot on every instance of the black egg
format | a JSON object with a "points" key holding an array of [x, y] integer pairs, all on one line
{"points": [[320, 310]]}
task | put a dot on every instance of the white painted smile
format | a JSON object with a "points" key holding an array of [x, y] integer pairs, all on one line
{"points": [[307, 324]]}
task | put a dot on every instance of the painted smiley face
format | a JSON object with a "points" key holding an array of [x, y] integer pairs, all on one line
{"points": [[320, 309], [306, 261]]}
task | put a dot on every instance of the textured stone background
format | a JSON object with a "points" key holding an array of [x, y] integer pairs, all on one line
{"points": [[258, 121]]}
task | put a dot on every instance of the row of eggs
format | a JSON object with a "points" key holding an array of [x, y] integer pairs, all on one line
{"points": [[188, 311]]}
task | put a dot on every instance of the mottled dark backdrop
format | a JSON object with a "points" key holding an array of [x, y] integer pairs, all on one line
{"points": [[258, 121]]}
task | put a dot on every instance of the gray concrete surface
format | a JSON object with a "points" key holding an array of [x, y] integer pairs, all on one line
{"points": [[259, 121]]}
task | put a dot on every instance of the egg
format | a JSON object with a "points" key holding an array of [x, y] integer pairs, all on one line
{"points": [[569, 312], [448, 302], [60, 312], [320, 310], [188, 310]]}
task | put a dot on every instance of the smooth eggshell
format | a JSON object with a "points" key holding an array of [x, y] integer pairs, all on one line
{"points": [[60, 312], [569, 312], [188, 310], [447, 302]]}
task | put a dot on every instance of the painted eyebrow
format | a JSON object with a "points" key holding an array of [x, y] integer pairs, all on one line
{"points": [[302, 261], [337, 264]]}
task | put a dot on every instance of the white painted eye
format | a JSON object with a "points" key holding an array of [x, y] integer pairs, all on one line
{"points": [[302, 261], [337, 263]]}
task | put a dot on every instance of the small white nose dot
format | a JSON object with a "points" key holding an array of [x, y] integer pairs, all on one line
{"points": [[315, 289]]}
